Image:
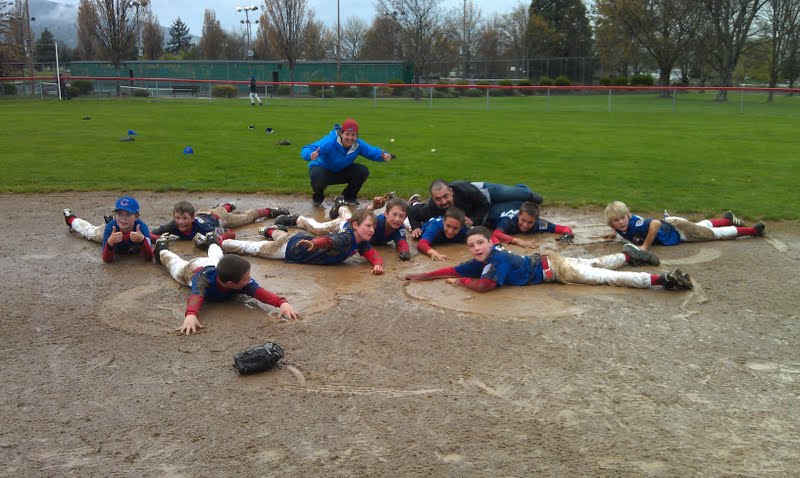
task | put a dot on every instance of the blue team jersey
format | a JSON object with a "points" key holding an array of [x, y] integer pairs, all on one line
{"points": [[344, 245], [204, 284], [433, 231], [504, 268], [203, 223], [638, 227], [509, 225], [381, 238], [126, 246]]}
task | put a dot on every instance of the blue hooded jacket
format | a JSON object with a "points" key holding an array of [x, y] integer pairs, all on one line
{"points": [[333, 156]]}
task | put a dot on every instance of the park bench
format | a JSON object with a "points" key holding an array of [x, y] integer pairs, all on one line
{"points": [[186, 89]]}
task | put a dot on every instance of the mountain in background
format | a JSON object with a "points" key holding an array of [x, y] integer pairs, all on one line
{"points": [[61, 18]]}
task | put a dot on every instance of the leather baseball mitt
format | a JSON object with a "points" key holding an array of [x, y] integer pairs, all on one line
{"points": [[258, 359]]}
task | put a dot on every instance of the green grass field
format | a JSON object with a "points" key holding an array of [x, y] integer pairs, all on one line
{"points": [[690, 155]]}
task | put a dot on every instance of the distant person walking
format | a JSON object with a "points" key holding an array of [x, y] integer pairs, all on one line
{"points": [[63, 86], [254, 93]]}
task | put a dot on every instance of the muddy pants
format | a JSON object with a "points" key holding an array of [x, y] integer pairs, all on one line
{"points": [[275, 249], [88, 230], [321, 228], [701, 231], [182, 270], [234, 219], [595, 271]]}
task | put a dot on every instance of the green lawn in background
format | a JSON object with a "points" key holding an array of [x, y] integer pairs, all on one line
{"points": [[686, 155]]}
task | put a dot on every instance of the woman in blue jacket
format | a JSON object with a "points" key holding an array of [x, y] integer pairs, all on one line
{"points": [[332, 161]]}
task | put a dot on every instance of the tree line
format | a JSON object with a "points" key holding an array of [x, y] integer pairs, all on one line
{"points": [[705, 42]]}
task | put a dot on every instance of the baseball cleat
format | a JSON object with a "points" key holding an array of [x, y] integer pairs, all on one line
{"points": [[286, 220], [162, 244], [338, 202], [315, 203], [735, 221], [638, 257], [759, 227], [266, 231], [277, 211], [68, 214], [414, 199], [677, 280], [204, 240]]}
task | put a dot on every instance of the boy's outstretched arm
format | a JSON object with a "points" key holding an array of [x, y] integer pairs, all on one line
{"points": [[263, 295], [190, 322], [652, 231], [478, 285], [437, 274]]}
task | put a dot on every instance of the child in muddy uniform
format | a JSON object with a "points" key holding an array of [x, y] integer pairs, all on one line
{"points": [[123, 234], [449, 228], [673, 230], [492, 266], [216, 278], [389, 226], [526, 220], [304, 248], [185, 225]]}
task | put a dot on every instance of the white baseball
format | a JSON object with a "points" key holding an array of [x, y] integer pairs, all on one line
{"points": [[433, 151], [391, 140]]}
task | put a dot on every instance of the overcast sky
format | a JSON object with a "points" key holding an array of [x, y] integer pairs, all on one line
{"points": [[191, 11]]}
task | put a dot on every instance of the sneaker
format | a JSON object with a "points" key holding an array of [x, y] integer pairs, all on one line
{"points": [[351, 202], [759, 227], [638, 257], [677, 280], [204, 240], [266, 231], [68, 214], [277, 211], [338, 202], [414, 199], [286, 220], [315, 203], [162, 244], [735, 221], [666, 214]]}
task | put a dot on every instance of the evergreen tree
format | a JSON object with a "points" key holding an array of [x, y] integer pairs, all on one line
{"points": [[180, 39], [45, 50]]}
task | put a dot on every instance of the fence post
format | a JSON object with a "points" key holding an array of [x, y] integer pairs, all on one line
{"points": [[741, 102], [487, 99], [609, 101], [548, 100], [674, 98], [374, 96], [430, 96]]}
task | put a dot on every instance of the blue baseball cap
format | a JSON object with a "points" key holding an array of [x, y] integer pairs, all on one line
{"points": [[132, 132], [188, 150], [127, 203]]}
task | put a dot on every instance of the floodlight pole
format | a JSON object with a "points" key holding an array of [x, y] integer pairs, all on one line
{"points": [[137, 4], [28, 43], [338, 44], [247, 10]]}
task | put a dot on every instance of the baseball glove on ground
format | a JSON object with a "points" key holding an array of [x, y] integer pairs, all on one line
{"points": [[258, 359]]}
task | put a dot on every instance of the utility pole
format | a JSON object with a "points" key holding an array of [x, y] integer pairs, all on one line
{"points": [[28, 43], [137, 4], [338, 43]]}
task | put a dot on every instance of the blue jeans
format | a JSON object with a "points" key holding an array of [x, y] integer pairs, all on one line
{"points": [[505, 198]]}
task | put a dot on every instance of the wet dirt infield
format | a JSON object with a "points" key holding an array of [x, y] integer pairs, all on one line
{"points": [[388, 378]]}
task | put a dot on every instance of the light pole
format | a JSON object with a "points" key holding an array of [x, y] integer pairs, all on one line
{"points": [[338, 44], [247, 10], [137, 4], [28, 42]]}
